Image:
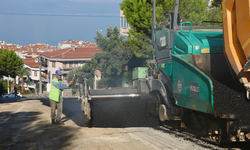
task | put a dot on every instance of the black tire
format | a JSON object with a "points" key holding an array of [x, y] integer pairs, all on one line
{"points": [[153, 104]]}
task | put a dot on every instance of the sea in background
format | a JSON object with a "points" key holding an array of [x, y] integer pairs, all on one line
{"points": [[47, 29]]}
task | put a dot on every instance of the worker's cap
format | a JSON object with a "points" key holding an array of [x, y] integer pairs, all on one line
{"points": [[59, 72]]}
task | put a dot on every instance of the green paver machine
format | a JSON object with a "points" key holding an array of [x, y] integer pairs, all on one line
{"points": [[191, 82]]}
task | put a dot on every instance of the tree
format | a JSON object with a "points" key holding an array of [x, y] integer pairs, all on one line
{"points": [[138, 14], [114, 58], [216, 3], [193, 11], [112, 61], [21, 73], [110, 40], [214, 13], [10, 63], [4, 86]]}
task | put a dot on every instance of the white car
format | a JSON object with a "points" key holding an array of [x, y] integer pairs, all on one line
{"points": [[11, 95]]}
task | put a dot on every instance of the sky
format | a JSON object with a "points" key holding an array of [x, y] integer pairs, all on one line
{"points": [[26, 22], [62, 7]]}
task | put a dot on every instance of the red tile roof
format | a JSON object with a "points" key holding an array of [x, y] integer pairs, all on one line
{"points": [[27, 53], [98, 73], [31, 62], [69, 53]]}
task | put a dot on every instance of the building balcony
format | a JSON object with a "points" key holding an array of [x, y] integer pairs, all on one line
{"points": [[44, 68], [44, 64], [65, 70], [44, 78]]}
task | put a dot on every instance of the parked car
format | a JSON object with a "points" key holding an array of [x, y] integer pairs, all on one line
{"points": [[11, 95]]}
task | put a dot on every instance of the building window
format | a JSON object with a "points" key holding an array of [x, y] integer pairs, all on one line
{"points": [[70, 65], [35, 73], [53, 76], [122, 21], [64, 66], [53, 64]]}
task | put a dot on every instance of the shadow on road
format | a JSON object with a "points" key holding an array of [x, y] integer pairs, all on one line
{"points": [[25, 130], [107, 113]]}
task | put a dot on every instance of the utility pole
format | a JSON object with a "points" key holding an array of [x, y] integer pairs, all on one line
{"points": [[8, 84], [40, 75]]}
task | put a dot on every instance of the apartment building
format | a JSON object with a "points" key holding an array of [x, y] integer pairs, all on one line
{"points": [[64, 60], [124, 27], [32, 64], [75, 43]]}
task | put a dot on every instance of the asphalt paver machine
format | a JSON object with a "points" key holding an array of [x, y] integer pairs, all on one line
{"points": [[201, 76]]}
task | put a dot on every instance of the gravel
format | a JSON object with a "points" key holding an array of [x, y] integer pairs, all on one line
{"points": [[228, 101]]}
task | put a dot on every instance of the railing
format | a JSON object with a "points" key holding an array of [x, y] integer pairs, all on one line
{"points": [[44, 76], [44, 64], [66, 68], [44, 80]]}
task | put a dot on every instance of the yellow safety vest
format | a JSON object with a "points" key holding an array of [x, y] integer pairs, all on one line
{"points": [[54, 91]]}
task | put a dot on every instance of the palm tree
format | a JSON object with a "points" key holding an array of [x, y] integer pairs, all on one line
{"points": [[23, 72]]}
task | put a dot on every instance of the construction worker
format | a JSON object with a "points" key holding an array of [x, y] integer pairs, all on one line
{"points": [[56, 97]]}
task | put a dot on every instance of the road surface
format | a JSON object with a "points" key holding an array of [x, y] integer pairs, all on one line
{"points": [[25, 124]]}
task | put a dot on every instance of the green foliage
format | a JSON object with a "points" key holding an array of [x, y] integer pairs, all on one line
{"points": [[128, 77], [193, 11], [112, 61], [70, 75], [110, 40], [38, 87], [215, 14], [102, 83], [3, 86], [216, 3], [22, 72], [27, 92], [10, 63], [87, 71], [139, 16], [114, 58]]}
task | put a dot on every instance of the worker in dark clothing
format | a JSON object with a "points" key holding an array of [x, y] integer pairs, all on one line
{"points": [[56, 97]]}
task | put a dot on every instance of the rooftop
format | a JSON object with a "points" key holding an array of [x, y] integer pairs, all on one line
{"points": [[31, 62], [72, 53]]}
